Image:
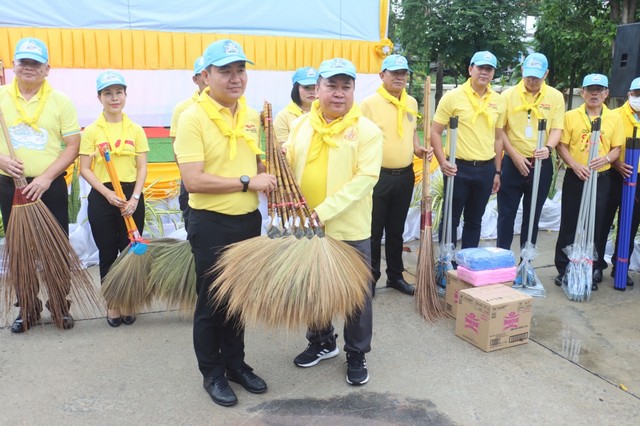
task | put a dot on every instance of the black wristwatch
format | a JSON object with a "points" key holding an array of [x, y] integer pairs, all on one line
{"points": [[244, 180], [499, 172], [550, 150]]}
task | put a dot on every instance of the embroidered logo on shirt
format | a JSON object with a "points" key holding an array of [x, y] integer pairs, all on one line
{"points": [[23, 136], [351, 134]]}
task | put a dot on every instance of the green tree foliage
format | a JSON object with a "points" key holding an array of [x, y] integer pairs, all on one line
{"points": [[448, 32], [577, 37]]}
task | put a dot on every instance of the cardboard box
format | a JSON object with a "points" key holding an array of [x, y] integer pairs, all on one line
{"points": [[454, 285], [494, 317]]}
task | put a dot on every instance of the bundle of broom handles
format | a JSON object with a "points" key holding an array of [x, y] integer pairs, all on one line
{"points": [[288, 211], [138, 244]]}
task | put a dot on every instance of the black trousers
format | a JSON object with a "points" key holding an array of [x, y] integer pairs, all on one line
{"points": [[358, 329], [56, 198], [108, 227], [391, 200], [615, 202], [570, 208], [513, 186], [471, 191], [218, 342]]}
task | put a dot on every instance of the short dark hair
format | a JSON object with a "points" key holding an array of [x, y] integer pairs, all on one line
{"points": [[295, 94]]}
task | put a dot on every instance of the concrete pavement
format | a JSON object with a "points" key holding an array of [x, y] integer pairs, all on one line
{"points": [[574, 370]]}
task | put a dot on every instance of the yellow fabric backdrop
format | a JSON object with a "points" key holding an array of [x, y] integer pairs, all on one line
{"points": [[151, 50]]}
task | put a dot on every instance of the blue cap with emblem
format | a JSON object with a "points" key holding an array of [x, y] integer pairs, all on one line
{"points": [[305, 76], [31, 48], [595, 80], [336, 66], [223, 52], [109, 78], [635, 84], [484, 57], [535, 65], [395, 62], [198, 65]]}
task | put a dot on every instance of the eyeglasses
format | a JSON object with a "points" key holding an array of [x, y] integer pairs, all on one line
{"points": [[595, 89]]}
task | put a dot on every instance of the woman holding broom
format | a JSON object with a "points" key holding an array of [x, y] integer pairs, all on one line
{"points": [[106, 211]]}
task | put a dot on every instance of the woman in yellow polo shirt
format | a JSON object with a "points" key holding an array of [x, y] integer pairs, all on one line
{"points": [[128, 145], [303, 94]]}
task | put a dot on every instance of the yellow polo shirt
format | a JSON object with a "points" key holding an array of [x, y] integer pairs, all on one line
{"points": [[353, 168], [397, 153], [38, 149], [577, 134], [179, 109], [476, 141], [516, 123], [125, 139], [199, 140], [284, 119], [628, 125]]}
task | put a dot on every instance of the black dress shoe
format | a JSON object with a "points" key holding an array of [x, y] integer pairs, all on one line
{"points": [[597, 276], [18, 325], [247, 378], [128, 319], [558, 280], [402, 286], [219, 390], [630, 282], [114, 322]]}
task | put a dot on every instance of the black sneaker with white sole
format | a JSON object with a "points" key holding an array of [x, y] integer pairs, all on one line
{"points": [[315, 353], [357, 373]]}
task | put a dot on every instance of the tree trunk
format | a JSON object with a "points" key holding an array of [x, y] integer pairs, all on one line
{"points": [[439, 82]]}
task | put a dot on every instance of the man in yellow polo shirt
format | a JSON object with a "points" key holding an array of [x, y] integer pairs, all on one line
{"points": [[395, 113], [335, 154], [527, 102], [198, 66], [630, 114], [574, 150], [44, 130], [477, 165], [217, 152]]}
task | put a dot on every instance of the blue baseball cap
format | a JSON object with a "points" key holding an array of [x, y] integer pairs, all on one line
{"points": [[31, 48], [595, 80], [109, 78], [395, 62], [484, 57], [198, 65], [535, 65], [305, 76], [336, 66], [223, 52], [635, 84]]}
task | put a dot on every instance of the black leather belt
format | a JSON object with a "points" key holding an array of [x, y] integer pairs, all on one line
{"points": [[396, 172], [474, 163]]}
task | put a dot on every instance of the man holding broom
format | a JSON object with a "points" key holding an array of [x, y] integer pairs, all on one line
{"points": [[396, 114], [528, 102], [217, 151], [477, 165], [574, 150], [336, 155], [44, 130]]}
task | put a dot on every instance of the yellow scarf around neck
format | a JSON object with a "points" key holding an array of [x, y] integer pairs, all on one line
{"points": [[533, 106], [43, 96], [325, 132], [479, 109], [400, 104], [233, 134]]}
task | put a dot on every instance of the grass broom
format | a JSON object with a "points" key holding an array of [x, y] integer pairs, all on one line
{"points": [[125, 285], [37, 250], [426, 296], [300, 278]]}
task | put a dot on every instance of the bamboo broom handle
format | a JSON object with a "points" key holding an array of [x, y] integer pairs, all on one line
{"points": [[20, 182], [426, 177], [132, 229], [279, 193]]}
